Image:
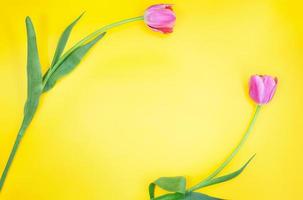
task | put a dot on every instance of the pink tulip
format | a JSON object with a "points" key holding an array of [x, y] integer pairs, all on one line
{"points": [[160, 18], [262, 88]]}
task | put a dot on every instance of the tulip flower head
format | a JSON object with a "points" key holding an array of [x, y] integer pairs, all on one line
{"points": [[160, 18], [262, 88]]}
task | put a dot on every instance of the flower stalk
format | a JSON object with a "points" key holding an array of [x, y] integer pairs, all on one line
{"points": [[232, 155], [85, 40], [10, 159]]}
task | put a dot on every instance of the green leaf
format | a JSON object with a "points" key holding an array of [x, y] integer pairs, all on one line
{"points": [[199, 196], [171, 184], [187, 196], [34, 75], [226, 177], [70, 63], [63, 40], [172, 196], [34, 87]]}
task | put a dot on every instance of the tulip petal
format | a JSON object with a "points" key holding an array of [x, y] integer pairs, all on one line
{"points": [[162, 30], [256, 90], [161, 18], [160, 6], [270, 86]]}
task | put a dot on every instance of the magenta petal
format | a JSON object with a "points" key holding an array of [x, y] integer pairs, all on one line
{"points": [[161, 18], [256, 90], [162, 30], [270, 85], [160, 6]]}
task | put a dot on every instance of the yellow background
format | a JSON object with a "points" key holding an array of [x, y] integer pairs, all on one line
{"points": [[143, 105]]}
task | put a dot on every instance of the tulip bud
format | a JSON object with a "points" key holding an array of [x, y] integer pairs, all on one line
{"points": [[160, 18], [262, 88]]}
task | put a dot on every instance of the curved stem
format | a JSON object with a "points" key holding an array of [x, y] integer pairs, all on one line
{"points": [[232, 155], [86, 39]]}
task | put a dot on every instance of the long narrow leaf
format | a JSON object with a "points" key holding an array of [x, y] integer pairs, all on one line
{"points": [[70, 62], [34, 87], [63, 40], [226, 177], [34, 75]]}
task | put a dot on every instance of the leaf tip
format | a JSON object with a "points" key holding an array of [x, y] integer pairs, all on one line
{"points": [[28, 19], [80, 16], [102, 35], [252, 156], [82, 13]]}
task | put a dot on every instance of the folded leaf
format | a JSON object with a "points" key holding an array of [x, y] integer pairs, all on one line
{"points": [[171, 184], [63, 40], [70, 63], [224, 178]]}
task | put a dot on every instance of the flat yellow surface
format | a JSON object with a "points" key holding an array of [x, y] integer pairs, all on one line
{"points": [[142, 105]]}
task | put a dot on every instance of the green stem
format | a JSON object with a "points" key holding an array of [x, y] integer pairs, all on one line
{"points": [[11, 156], [25, 124], [86, 39], [232, 155]]}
